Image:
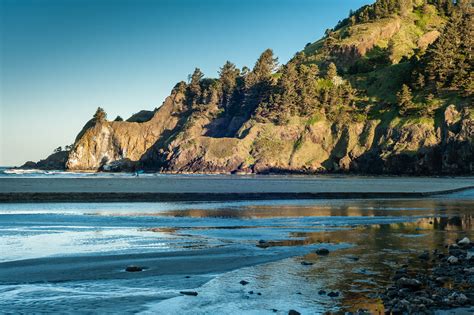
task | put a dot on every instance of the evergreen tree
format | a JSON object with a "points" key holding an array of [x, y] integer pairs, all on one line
{"points": [[245, 71], [405, 99], [228, 75], [347, 95], [364, 15], [463, 78], [420, 81], [330, 41], [448, 63], [264, 67], [385, 8], [259, 82], [194, 87], [307, 89], [100, 115], [287, 85], [445, 7]]}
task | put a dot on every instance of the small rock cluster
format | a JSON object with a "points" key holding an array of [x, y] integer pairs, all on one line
{"points": [[447, 284]]}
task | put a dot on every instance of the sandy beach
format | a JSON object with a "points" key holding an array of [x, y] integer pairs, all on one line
{"points": [[218, 188]]}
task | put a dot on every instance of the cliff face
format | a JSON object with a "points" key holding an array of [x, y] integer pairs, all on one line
{"points": [[312, 116], [120, 145], [402, 147]]}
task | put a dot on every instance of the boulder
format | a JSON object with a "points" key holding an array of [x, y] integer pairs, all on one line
{"points": [[464, 241], [469, 270], [322, 251], [453, 260], [424, 256], [409, 283]]}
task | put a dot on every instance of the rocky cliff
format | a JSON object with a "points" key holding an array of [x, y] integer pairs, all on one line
{"points": [[354, 118], [114, 145], [301, 146]]}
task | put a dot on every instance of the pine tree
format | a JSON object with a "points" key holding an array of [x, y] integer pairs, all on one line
{"points": [[385, 8], [330, 41], [448, 63], [259, 82], [194, 87], [228, 75], [195, 79], [100, 115], [307, 89], [445, 7], [405, 99], [420, 81], [265, 66], [463, 77], [287, 85], [347, 95]]}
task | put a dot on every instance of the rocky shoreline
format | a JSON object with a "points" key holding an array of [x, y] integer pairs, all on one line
{"points": [[445, 283]]}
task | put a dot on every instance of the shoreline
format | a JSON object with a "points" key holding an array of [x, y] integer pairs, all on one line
{"points": [[222, 188], [270, 174], [79, 197]]}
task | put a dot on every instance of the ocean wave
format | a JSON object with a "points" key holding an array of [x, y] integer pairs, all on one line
{"points": [[15, 172]]}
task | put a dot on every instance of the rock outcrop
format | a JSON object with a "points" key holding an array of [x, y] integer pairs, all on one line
{"points": [[166, 144], [119, 145], [56, 161]]}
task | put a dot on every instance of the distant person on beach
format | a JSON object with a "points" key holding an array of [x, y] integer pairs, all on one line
{"points": [[137, 173]]}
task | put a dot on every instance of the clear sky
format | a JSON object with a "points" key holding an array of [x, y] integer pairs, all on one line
{"points": [[61, 59]]}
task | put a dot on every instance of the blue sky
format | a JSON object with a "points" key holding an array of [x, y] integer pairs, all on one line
{"points": [[61, 59]]}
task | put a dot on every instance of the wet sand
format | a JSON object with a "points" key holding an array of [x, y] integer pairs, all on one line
{"points": [[105, 267], [210, 248], [216, 188]]}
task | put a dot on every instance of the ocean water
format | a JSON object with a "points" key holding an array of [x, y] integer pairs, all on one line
{"points": [[70, 258], [10, 172]]}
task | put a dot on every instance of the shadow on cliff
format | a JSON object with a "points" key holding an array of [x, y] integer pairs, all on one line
{"points": [[155, 158]]}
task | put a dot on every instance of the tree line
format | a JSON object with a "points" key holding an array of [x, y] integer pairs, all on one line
{"points": [[272, 93]]}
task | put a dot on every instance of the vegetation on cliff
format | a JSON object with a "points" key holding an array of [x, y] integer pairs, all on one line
{"points": [[388, 90]]}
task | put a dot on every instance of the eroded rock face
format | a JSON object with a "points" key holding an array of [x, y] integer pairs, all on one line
{"points": [[351, 50], [120, 145], [458, 142], [171, 143]]}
